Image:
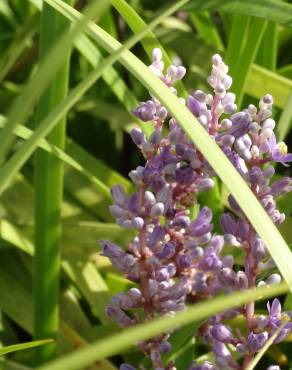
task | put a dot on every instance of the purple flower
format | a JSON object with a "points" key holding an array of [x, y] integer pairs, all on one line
{"points": [[240, 124], [202, 223], [118, 316], [278, 152], [281, 186], [146, 111], [257, 341], [195, 106], [274, 313], [119, 196], [111, 250]]}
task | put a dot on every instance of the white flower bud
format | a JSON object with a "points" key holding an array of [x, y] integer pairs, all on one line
{"points": [[180, 73], [268, 99], [269, 123], [252, 109], [227, 82], [273, 279], [149, 198], [156, 54], [220, 89], [209, 99], [254, 127], [255, 152], [219, 109], [172, 71], [226, 124], [211, 81], [265, 134], [216, 60], [203, 120], [246, 154]]}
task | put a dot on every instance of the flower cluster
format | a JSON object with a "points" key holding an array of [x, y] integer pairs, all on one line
{"points": [[176, 257]]}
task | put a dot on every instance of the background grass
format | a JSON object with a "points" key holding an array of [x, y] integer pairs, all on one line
{"points": [[96, 152]]}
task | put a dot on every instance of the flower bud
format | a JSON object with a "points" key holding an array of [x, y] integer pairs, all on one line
{"points": [[221, 333]]}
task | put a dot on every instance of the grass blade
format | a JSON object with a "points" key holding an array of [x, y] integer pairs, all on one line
{"points": [[268, 50], [249, 51], [260, 81], [136, 23], [49, 193], [19, 44], [70, 158], [22, 346], [118, 342], [272, 10], [284, 124], [236, 41], [206, 27], [111, 77], [225, 170]]}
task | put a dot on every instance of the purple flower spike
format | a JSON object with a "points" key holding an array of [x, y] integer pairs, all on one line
{"points": [[174, 259]]}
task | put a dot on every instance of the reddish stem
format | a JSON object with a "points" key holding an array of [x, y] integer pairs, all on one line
{"points": [[214, 116]]}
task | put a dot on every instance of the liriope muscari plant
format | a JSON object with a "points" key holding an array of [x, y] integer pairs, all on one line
{"points": [[174, 258]]}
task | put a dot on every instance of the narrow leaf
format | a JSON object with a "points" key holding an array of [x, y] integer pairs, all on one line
{"points": [[261, 81], [49, 192], [247, 56], [284, 124], [22, 346], [273, 10], [117, 343]]}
